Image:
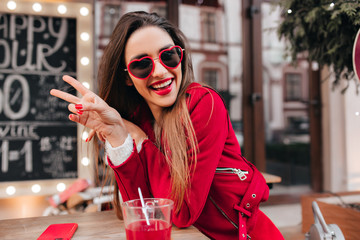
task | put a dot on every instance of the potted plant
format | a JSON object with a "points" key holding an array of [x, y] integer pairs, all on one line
{"points": [[324, 30]]}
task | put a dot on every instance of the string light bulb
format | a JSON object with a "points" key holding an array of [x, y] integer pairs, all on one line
{"points": [[35, 188], [85, 161], [62, 9], [60, 187], [11, 5], [85, 61], [37, 7], [10, 190], [84, 36], [84, 11], [86, 84], [85, 135]]}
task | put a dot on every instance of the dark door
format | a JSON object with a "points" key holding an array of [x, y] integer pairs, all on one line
{"points": [[281, 102]]}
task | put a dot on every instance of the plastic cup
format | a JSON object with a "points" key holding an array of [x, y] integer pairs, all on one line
{"points": [[159, 214]]}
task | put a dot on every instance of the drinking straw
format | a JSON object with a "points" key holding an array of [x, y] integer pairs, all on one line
{"points": [[143, 207]]}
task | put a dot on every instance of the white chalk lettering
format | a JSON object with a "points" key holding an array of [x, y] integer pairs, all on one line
{"points": [[3, 26], [15, 61], [6, 99], [45, 144], [18, 131], [16, 155], [6, 50], [35, 51], [32, 29], [14, 27], [22, 52]]}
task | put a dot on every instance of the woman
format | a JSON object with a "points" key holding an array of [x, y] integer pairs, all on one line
{"points": [[177, 141]]}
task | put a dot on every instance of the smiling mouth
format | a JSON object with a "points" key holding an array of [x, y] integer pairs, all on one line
{"points": [[162, 85]]}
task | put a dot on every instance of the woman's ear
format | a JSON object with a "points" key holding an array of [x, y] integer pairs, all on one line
{"points": [[128, 81]]}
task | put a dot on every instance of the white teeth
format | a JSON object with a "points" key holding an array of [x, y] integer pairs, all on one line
{"points": [[161, 85]]}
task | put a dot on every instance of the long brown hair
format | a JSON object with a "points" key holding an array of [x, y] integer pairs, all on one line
{"points": [[175, 127]]}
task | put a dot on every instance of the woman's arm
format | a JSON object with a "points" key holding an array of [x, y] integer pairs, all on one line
{"points": [[210, 121], [93, 112]]}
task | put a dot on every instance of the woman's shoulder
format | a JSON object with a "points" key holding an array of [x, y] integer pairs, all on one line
{"points": [[197, 92]]}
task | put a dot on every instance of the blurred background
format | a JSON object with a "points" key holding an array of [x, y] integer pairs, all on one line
{"points": [[296, 116]]}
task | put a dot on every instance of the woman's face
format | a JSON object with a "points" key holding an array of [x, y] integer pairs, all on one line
{"points": [[161, 88]]}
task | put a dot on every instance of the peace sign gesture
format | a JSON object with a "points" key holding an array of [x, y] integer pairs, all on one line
{"points": [[93, 112]]}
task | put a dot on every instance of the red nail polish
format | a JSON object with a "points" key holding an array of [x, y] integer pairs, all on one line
{"points": [[80, 112], [78, 106], [87, 140]]}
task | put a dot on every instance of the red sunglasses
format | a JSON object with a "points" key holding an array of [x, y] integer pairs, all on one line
{"points": [[142, 68]]}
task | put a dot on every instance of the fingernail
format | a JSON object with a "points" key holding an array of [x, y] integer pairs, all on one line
{"points": [[78, 106], [87, 140], [80, 112]]}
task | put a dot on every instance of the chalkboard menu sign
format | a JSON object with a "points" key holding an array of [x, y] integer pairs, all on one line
{"points": [[36, 139]]}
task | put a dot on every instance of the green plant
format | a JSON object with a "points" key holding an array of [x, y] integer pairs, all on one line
{"points": [[325, 30]]}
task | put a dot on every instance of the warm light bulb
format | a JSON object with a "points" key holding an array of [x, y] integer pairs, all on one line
{"points": [[37, 7], [84, 36], [85, 135], [62, 9], [85, 61], [86, 84], [11, 5], [60, 187], [35, 188], [85, 161], [84, 11], [10, 190]]}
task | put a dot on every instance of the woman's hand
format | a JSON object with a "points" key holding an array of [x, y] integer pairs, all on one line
{"points": [[93, 112]]}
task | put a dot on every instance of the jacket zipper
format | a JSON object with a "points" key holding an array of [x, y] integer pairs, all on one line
{"points": [[241, 174], [226, 216], [223, 213]]}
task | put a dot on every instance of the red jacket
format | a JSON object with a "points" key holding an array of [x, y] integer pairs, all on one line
{"points": [[221, 204]]}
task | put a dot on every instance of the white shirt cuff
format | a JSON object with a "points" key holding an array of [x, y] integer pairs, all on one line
{"points": [[119, 154]]}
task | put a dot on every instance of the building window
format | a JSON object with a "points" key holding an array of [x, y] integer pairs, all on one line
{"points": [[297, 125], [160, 10], [202, 3], [293, 86], [111, 16], [209, 26], [211, 77]]}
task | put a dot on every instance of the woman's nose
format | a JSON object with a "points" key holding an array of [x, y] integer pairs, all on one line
{"points": [[159, 69]]}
